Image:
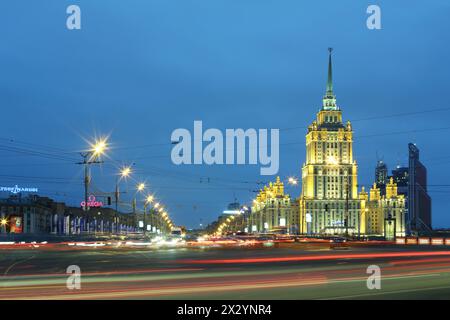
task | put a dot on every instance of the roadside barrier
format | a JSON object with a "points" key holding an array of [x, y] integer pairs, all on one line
{"points": [[423, 241]]}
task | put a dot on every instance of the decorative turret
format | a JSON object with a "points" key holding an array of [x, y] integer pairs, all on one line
{"points": [[391, 189], [374, 192], [363, 194]]}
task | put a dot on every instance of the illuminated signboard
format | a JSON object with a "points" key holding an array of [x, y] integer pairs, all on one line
{"points": [[231, 212], [92, 203], [16, 189], [16, 224], [308, 217], [337, 223]]}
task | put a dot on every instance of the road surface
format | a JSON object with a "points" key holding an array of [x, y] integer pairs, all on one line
{"points": [[289, 271]]}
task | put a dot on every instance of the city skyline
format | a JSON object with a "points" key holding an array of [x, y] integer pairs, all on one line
{"points": [[392, 93], [224, 155]]}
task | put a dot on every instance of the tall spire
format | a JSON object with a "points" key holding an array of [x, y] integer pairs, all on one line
{"points": [[329, 101], [330, 74]]}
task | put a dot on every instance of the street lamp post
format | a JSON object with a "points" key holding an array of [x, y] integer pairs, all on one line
{"points": [[91, 157], [145, 213], [123, 174], [147, 201], [156, 206], [140, 187]]}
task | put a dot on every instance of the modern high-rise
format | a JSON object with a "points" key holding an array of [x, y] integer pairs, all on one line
{"points": [[329, 201], [381, 176], [400, 176], [419, 202]]}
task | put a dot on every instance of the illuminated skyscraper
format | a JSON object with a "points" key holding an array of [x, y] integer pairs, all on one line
{"points": [[419, 202], [381, 176], [329, 196]]}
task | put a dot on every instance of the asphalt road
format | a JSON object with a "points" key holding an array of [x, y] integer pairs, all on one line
{"points": [[290, 271]]}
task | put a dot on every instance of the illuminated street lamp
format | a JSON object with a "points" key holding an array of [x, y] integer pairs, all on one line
{"points": [[149, 199], [292, 181], [3, 223], [125, 172], [99, 147], [141, 187], [92, 156]]}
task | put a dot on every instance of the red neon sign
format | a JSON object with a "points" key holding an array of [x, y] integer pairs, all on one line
{"points": [[92, 203]]}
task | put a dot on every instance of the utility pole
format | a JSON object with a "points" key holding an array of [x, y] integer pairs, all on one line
{"points": [[145, 222], [88, 159], [116, 196], [123, 174]]}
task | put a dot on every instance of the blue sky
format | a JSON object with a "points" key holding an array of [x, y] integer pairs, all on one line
{"points": [[139, 69]]}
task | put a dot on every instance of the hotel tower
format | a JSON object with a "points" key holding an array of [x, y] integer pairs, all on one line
{"points": [[329, 202]]}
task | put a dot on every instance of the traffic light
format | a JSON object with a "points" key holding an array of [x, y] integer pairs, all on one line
{"points": [[109, 201]]}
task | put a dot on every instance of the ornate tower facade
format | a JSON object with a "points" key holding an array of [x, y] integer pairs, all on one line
{"points": [[384, 214], [329, 203]]}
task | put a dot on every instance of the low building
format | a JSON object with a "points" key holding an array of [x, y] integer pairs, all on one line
{"points": [[383, 215], [274, 211], [33, 214]]}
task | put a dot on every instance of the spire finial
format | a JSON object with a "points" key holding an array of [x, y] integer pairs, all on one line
{"points": [[330, 74], [329, 100]]}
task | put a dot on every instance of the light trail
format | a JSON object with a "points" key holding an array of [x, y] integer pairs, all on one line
{"points": [[186, 274], [323, 257]]}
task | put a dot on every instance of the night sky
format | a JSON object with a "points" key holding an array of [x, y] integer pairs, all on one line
{"points": [[139, 69]]}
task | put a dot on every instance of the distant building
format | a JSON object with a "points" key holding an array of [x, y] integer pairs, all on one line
{"points": [[401, 176], [234, 218], [419, 202], [234, 206], [410, 185], [381, 176], [34, 214]]}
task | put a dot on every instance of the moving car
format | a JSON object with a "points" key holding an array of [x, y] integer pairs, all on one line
{"points": [[338, 243]]}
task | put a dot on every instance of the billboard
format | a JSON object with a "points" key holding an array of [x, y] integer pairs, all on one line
{"points": [[16, 224]]}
